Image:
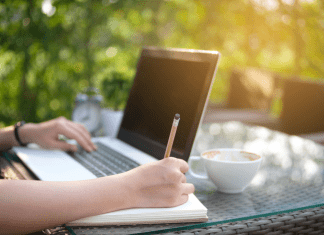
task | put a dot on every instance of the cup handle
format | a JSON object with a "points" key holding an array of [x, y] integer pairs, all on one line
{"points": [[190, 161]]}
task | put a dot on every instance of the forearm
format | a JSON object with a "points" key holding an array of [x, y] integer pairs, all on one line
{"points": [[28, 206], [8, 139]]}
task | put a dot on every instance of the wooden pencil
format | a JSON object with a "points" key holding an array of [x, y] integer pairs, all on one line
{"points": [[172, 135]]}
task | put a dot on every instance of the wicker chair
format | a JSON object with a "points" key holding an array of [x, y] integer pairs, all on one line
{"points": [[303, 109], [249, 100]]}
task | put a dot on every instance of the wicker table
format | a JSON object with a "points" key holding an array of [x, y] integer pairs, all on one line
{"points": [[285, 197]]}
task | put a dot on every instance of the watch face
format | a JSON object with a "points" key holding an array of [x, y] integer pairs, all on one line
{"points": [[89, 114]]}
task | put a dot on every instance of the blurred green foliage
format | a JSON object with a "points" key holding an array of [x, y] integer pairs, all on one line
{"points": [[52, 50], [115, 89]]}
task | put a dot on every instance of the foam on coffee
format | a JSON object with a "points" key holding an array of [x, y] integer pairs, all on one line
{"points": [[232, 156]]}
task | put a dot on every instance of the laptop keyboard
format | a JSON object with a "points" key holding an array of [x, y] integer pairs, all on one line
{"points": [[104, 161]]}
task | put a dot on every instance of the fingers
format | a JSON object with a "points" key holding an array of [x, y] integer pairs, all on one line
{"points": [[161, 183], [79, 133], [183, 179], [183, 199], [84, 136], [64, 146], [188, 188], [179, 163], [184, 166]]}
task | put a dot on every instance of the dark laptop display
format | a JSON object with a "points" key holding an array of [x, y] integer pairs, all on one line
{"points": [[179, 82]]}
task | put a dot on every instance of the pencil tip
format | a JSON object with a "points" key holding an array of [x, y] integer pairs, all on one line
{"points": [[177, 116]]}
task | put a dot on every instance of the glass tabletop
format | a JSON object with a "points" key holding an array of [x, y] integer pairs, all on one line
{"points": [[290, 177]]}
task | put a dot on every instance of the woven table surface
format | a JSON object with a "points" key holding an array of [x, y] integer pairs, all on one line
{"points": [[285, 197]]}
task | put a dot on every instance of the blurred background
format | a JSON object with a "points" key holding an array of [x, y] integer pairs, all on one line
{"points": [[51, 50]]}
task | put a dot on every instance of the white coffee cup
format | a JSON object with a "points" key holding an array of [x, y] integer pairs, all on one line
{"points": [[231, 170]]}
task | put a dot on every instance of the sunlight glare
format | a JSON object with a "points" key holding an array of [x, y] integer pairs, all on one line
{"points": [[259, 179], [288, 2], [48, 8], [111, 52], [310, 169], [270, 5]]}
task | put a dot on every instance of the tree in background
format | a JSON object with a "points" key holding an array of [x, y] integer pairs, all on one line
{"points": [[51, 50]]}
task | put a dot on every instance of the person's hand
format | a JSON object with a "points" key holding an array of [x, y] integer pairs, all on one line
{"points": [[159, 184], [46, 134]]}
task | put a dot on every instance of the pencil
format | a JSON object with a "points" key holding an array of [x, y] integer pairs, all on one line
{"points": [[172, 135]]}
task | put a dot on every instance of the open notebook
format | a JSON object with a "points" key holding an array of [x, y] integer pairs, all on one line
{"points": [[167, 81], [191, 211]]}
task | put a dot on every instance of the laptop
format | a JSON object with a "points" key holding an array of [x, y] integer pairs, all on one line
{"points": [[167, 81]]}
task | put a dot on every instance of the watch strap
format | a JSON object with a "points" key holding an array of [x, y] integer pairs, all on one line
{"points": [[17, 126]]}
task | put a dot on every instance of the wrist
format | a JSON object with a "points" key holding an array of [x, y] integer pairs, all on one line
{"points": [[129, 180], [26, 133], [17, 127], [131, 201], [117, 195]]}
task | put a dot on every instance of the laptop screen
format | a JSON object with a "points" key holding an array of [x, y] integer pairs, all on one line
{"points": [[166, 83]]}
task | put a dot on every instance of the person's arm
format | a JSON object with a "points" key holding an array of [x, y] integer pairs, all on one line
{"points": [[46, 134], [7, 138], [27, 206]]}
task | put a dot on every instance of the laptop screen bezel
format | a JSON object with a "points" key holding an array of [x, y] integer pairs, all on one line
{"points": [[155, 150]]}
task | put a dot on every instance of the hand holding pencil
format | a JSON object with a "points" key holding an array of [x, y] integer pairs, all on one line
{"points": [[172, 135], [167, 185]]}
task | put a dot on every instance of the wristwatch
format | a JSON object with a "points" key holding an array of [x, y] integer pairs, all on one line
{"points": [[17, 126]]}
